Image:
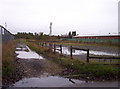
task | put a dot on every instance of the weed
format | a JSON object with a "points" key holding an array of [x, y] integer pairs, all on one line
{"points": [[8, 50]]}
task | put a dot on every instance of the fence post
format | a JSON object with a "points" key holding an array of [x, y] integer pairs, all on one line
{"points": [[71, 51], [49, 45], [54, 48], [61, 49], [88, 56], [42, 44], [45, 44]]}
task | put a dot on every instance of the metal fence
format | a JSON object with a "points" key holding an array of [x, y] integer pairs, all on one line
{"points": [[108, 41], [6, 35]]}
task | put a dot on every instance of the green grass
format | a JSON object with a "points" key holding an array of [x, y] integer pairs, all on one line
{"points": [[69, 43], [78, 67], [114, 61]]}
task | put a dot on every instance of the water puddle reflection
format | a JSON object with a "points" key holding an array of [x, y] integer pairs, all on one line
{"points": [[66, 50], [26, 53], [51, 81], [56, 81]]}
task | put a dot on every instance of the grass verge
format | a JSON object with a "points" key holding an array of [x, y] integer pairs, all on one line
{"points": [[69, 43], [77, 67], [8, 55]]}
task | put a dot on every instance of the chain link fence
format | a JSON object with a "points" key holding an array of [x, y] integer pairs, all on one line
{"points": [[0, 60], [5, 35]]}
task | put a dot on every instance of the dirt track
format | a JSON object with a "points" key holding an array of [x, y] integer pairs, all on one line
{"points": [[35, 68], [31, 68]]}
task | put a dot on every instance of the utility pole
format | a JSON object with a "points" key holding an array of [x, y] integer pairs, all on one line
{"points": [[50, 29], [5, 25]]}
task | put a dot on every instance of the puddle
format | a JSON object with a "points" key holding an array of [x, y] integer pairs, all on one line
{"points": [[21, 49], [66, 50], [51, 81], [56, 81], [27, 53], [103, 53]]}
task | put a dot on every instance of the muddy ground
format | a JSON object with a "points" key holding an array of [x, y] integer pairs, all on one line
{"points": [[30, 68], [35, 67], [38, 67]]}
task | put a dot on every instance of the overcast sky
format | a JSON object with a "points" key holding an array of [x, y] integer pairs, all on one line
{"points": [[97, 17]]}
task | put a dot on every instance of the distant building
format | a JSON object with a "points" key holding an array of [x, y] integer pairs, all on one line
{"points": [[97, 39], [50, 29]]}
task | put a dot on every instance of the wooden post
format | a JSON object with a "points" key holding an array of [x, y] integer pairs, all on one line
{"points": [[104, 60], [49, 45], [88, 56], [110, 60], [39, 44], [71, 51], [61, 49], [45, 44], [54, 48], [42, 45]]}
